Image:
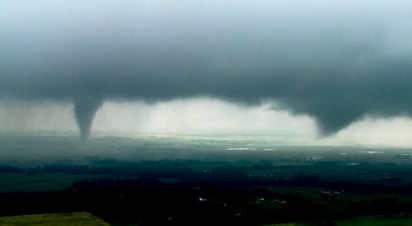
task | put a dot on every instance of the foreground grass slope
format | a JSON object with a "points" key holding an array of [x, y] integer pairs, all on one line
{"points": [[377, 221], [64, 219], [363, 221]]}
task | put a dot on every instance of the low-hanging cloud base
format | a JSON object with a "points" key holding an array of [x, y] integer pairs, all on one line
{"points": [[311, 57]]}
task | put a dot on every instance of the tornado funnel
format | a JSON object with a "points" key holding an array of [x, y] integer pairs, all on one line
{"points": [[84, 112]]}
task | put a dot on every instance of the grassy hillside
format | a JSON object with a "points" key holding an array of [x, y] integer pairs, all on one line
{"points": [[377, 221], [364, 221], [64, 219]]}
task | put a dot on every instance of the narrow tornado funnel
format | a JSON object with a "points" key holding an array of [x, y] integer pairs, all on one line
{"points": [[85, 109]]}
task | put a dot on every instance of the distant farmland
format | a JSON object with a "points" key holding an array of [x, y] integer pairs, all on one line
{"points": [[63, 219]]}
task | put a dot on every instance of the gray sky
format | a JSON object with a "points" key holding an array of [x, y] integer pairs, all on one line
{"points": [[335, 62]]}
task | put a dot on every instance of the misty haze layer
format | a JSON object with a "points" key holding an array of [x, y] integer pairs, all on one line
{"points": [[334, 60]]}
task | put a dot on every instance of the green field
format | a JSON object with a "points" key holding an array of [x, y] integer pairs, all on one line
{"points": [[12, 182], [377, 221], [63, 219], [363, 221], [250, 180]]}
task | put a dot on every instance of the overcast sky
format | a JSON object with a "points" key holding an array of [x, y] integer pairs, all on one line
{"points": [[308, 68]]}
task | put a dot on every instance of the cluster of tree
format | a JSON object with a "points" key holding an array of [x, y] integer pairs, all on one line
{"points": [[10, 169], [149, 201]]}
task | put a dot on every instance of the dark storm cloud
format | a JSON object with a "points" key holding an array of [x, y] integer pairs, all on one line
{"points": [[334, 60]]}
